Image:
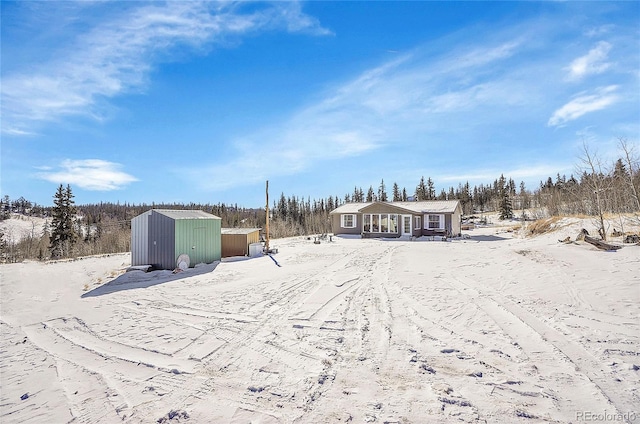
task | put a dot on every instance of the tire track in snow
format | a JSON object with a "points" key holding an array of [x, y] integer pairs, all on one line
{"points": [[515, 320]]}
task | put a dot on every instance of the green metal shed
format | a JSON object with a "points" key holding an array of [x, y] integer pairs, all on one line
{"points": [[160, 236]]}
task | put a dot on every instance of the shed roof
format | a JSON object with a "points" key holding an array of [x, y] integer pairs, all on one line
{"points": [[427, 206], [185, 214], [239, 230]]}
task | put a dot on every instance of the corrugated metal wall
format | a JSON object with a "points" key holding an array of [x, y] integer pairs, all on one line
{"points": [[238, 244], [198, 238], [158, 239], [162, 241], [140, 239], [234, 245], [253, 237]]}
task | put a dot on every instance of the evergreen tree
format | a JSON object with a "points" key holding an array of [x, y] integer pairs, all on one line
{"points": [[451, 194], [397, 196], [506, 209], [524, 196], [465, 198], [63, 233], [282, 207], [357, 195], [382, 192], [330, 204], [371, 195], [511, 186], [404, 194], [5, 208], [421, 191], [431, 189], [45, 240], [4, 247]]}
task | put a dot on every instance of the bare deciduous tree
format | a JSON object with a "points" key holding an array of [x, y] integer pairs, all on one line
{"points": [[632, 162], [594, 185]]}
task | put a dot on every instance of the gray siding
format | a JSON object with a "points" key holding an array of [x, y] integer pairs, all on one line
{"points": [[448, 219], [451, 224], [162, 241], [451, 210], [456, 224], [417, 231], [337, 229], [140, 239]]}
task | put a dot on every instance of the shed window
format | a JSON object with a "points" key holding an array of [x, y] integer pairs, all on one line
{"points": [[348, 221]]}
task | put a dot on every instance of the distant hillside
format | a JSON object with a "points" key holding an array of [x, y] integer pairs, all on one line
{"points": [[19, 227]]}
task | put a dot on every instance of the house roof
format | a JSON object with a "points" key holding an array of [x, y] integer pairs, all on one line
{"points": [[440, 206], [351, 207], [239, 230], [427, 206], [185, 214]]}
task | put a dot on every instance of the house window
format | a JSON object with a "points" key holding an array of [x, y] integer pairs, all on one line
{"points": [[393, 223], [348, 221], [384, 223], [380, 223], [434, 222], [406, 224], [417, 222], [366, 226]]}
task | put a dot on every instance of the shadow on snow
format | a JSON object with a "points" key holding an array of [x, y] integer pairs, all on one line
{"points": [[137, 279]]}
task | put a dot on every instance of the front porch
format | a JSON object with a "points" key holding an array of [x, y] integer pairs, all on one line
{"points": [[368, 234]]}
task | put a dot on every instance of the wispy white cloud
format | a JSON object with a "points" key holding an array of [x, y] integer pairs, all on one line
{"points": [[488, 90], [584, 103], [398, 100], [487, 54], [594, 62], [518, 174], [89, 174], [116, 56], [599, 30], [17, 131]]}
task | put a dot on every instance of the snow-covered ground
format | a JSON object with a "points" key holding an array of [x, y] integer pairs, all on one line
{"points": [[21, 226], [489, 328]]}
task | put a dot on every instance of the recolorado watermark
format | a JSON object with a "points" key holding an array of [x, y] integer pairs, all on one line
{"points": [[600, 417]]}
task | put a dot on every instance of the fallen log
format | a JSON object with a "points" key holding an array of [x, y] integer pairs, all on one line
{"points": [[601, 244], [632, 238]]}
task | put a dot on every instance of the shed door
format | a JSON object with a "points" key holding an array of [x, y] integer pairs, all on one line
{"points": [[199, 245]]}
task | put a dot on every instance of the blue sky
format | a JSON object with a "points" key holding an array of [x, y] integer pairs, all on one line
{"points": [[204, 101]]}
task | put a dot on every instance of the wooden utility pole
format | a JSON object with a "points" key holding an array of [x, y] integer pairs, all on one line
{"points": [[266, 245]]}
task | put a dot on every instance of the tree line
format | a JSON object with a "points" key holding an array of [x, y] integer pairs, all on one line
{"points": [[597, 189]]}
